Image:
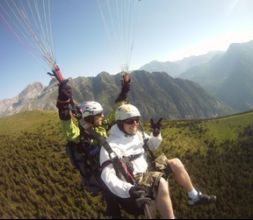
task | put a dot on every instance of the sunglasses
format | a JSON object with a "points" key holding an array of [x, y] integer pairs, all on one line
{"points": [[131, 121]]}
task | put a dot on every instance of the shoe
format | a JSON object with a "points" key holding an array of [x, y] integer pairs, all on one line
{"points": [[202, 199]]}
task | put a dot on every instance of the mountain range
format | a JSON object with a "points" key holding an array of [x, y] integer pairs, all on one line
{"points": [[228, 75], [155, 94], [222, 85], [176, 68]]}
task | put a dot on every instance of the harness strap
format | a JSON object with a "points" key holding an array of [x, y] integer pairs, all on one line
{"points": [[145, 145], [105, 164], [133, 157], [123, 169], [129, 158]]}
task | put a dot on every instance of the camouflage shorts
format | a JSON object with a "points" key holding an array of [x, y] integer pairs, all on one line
{"points": [[160, 164], [150, 180]]}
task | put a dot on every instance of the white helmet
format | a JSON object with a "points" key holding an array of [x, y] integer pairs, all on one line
{"points": [[126, 111], [90, 108]]}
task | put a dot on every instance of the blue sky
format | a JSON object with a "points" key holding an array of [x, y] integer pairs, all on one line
{"points": [[164, 30]]}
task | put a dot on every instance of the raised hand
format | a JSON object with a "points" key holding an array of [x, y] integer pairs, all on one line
{"points": [[156, 126], [125, 82], [64, 92]]}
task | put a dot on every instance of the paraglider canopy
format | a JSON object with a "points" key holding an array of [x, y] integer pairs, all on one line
{"points": [[119, 18], [30, 22]]}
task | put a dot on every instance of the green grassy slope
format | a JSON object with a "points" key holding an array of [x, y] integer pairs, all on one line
{"points": [[218, 156], [38, 181], [27, 122], [228, 128]]}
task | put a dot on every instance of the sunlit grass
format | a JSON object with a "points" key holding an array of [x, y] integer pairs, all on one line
{"points": [[27, 121], [228, 128], [37, 179]]}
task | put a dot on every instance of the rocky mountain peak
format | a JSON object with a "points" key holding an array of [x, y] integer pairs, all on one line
{"points": [[171, 98], [31, 91]]}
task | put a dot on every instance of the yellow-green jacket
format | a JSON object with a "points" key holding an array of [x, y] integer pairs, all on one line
{"points": [[72, 131]]}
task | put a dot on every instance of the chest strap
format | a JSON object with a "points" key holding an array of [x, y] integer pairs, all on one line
{"points": [[126, 159]]}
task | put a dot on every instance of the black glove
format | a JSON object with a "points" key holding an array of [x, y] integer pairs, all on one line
{"points": [[125, 87], [156, 127], [125, 83], [64, 92], [137, 192], [64, 99]]}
